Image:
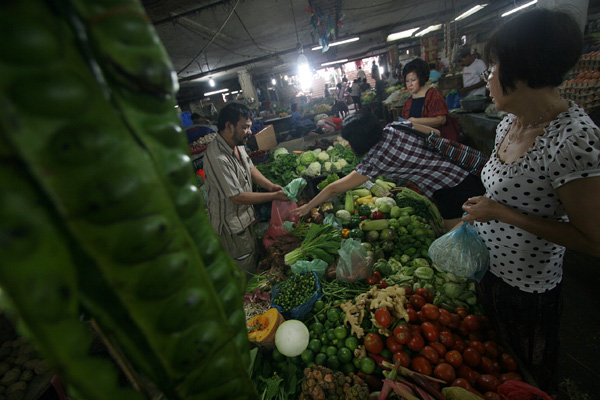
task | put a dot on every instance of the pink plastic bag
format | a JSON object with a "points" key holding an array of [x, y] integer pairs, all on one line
{"points": [[517, 390], [280, 212]]}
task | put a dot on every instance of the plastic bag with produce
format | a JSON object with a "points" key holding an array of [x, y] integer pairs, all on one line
{"points": [[461, 252], [354, 263]]}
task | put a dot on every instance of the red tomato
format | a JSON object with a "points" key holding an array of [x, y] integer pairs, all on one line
{"points": [[383, 317], [408, 290], [486, 365], [476, 335], [415, 329], [444, 317], [477, 345], [416, 343], [491, 396], [417, 301], [454, 358], [392, 344], [425, 294], [446, 339], [429, 331], [454, 321], [488, 383], [431, 312], [471, 356], [421, 317], [372, 280], [421, 365], [508, 363], [430, 354], [373, 343], [485, 322], [403, 334], [510, 376], [462, 330], [459, 346], [491, 349], [465, 372], [382, 284], [402, 358], [462, 312], [460, 382], [412, 314], [472, 322], [444, 372], [440, 348]]}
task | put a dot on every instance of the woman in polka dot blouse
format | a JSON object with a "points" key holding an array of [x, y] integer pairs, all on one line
{"points": [[542, 184]]}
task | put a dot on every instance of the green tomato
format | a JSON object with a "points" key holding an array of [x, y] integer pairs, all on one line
{"points": [[277, 356], [321, 359], [356, 362], [351, 343], [319, 305], [321, 317], [333, 363], [307, 356], [315, 345], [344, 355], [318, 328], [331, 351], [333, 314], [348, 368], [331, 334], [367, 365], [340, 332], [324, 339]]}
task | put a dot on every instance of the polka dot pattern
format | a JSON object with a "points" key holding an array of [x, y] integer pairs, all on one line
{"points": [[569, 149]]}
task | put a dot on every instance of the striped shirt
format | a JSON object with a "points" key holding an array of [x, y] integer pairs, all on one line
{"points": [[402, 156], [227, 176]]}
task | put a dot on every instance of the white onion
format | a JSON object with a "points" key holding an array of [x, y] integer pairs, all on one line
{"points": [[291, 338]]}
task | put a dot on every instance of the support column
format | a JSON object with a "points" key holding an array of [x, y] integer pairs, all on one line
{"points": [[250, 96]]}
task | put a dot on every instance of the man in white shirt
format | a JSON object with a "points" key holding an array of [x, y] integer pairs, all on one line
{"points": [[473, 83]]}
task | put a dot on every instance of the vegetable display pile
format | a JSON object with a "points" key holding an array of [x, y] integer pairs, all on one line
{"points": [[100, 211]]}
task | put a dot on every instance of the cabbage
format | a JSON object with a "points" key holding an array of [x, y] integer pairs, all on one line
{"points": [[307, 158], [385, 204], [279, 151]]}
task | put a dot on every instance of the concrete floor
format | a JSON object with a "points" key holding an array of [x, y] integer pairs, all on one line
{"points": [[579, 368]]}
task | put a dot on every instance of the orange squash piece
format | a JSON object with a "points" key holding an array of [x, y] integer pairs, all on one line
{"points": [[261, 328]]}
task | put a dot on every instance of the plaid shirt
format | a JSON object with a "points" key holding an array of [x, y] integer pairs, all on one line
{"points": [[399, 155]]}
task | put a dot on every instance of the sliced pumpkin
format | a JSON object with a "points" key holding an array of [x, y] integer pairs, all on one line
{"points": [[261, 328]]}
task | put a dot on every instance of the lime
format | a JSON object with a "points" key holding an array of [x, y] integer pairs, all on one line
{"points": [[367, 365], [356, 362], [319, 305], [331, 334], [333, 314], [317, 327], [321, 317], [333, 363], [351, 342], [321, 359], [347, 368], [307, 356], [277, 356], [310, 364], [328, 324], [342, 317], [344, 355], [324, 339], [331, 351], [340, 332], [314, 345], [339, 343]]}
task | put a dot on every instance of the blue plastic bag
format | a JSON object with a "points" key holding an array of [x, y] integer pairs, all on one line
{"points": [[461, 252], [300, 312], [453, 99]]}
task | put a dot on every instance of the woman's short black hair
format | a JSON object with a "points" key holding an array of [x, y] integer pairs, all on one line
{"points": [[232, 112], [537, 47], [419, 67], [362, 131]]}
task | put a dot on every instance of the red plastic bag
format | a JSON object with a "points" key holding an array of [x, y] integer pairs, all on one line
{"points": [[280, 212]]}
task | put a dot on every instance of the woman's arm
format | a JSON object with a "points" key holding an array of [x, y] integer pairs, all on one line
{"points": [[348, 182], [429, 121], [425, 129], [580, 200]]}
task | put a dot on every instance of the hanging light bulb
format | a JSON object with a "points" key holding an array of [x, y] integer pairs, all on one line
{"points": [[273, 82], [211, 82]]}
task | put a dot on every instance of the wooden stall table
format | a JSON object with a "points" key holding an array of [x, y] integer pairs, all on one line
{"points": [[479, 129]]}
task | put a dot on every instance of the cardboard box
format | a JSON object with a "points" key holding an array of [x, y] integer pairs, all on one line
{"points": [[266, 139]]}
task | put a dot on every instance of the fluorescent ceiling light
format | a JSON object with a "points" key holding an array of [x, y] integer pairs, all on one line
{"points": [[236, 92], [401, 35], [430, 28], [211, 82], [273, 81], [334, 62], [344, 41], [514, 10], [470, 12], [216, 92]]}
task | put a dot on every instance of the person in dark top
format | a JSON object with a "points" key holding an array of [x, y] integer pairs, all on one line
{"points": [[200, 128], [426, 106]]}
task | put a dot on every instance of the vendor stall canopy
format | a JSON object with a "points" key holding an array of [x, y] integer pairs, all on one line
{"points": [[215, 39]]}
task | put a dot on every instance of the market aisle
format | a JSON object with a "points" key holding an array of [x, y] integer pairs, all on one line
{"points": [[579, 368]]}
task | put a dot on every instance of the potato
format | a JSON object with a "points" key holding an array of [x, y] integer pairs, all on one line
{"points": [[41, 368], [16, 387], [18, 395], [31, 364], [10, 377], [27, 375]]}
